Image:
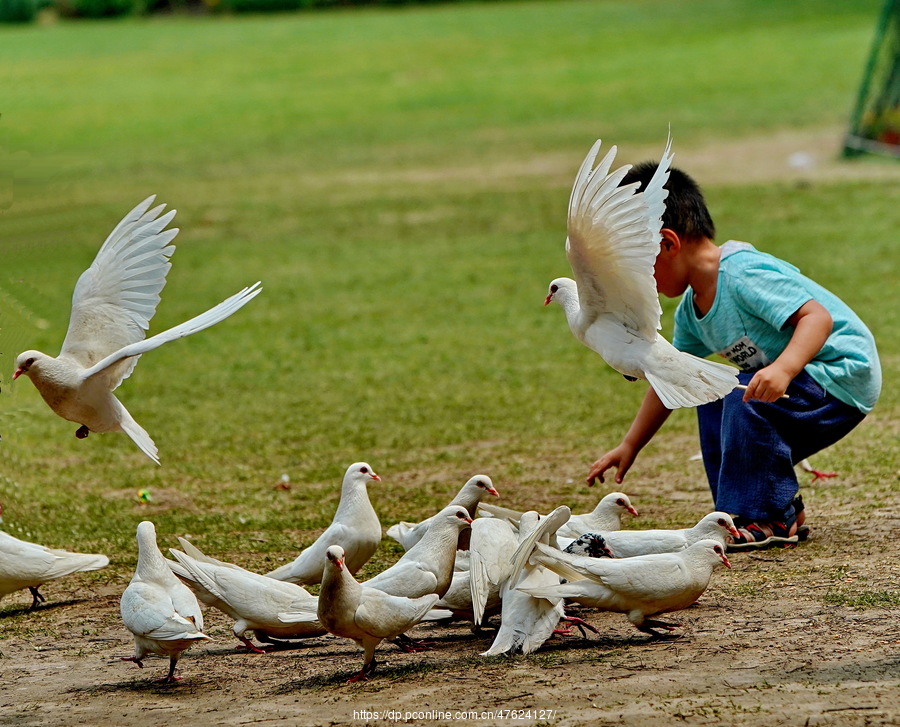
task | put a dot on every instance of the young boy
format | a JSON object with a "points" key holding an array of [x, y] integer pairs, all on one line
{"points": [[787, 334]]}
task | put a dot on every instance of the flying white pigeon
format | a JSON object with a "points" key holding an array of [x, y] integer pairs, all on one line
{"points": [[639, 587], [112, 305], [355, 527], [427, 567], [408, 534], [607, 515], [366, 615], [252, 600], [161, 612], [612, 306], [28, 565]]}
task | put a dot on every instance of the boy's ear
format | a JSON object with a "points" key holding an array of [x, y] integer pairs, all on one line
{"points": [[671, 242]]}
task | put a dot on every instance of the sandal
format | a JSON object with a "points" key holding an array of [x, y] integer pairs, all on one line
{"points": [[763, 535]]}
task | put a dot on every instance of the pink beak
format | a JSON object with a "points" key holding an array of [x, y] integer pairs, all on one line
{"points": [[548, 299], [725, 560], [374, 477], [632, 510], [17, 373], [493, 492], [734, 532], [468, 520]]}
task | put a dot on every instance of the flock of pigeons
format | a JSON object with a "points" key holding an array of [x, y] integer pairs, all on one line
{"points": [[470, 561], [524, 566]]}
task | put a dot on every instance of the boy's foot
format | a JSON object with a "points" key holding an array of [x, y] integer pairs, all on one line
{"points": [[800, 514], [758, 535]]}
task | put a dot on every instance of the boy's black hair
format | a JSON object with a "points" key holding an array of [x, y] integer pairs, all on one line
{"points": [[686, 212]]}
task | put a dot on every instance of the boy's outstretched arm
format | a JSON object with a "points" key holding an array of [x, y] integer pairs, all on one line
{"points": [[649, 418], [812, 325]]}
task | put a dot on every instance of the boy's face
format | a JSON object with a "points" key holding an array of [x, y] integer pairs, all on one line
{"points": [[667, 271]]}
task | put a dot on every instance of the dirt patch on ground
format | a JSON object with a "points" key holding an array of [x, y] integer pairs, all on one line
{"points": [[803, 636]]}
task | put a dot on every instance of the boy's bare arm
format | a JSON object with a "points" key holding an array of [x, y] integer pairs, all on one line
{"points": [[649, 418], [812, 325]]}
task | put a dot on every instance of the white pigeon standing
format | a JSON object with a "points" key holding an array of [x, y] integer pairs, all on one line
{"points": [[366, 615], [408, 534], [612, 306], [629, 543], [355, 527], [607, 515], [639, 587], [427, 567], [252, 600], [28, 565], [161, 612], [112, 305]]}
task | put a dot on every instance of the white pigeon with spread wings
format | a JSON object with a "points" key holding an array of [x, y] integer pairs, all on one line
{"points": [[607, 515], [159, 610], [480, 572], [408, 534], [112, 305], [526, 621], [639, 587], [252, 600], [28, 565], [427, 567], [612, 305], [366, 615], [355, 527]]}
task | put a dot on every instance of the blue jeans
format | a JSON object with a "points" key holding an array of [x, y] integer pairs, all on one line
{"points": [[750, 449]]}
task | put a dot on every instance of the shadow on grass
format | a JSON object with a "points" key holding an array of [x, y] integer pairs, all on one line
{"points": [[22, 610]]}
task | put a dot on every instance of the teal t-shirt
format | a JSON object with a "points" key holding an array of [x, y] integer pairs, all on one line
{"points": [[756, 293]]}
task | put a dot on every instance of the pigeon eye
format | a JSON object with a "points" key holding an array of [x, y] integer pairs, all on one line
{"points": [[721, 521], [554, 288], [364, 470], [620, 502], [29, 362], [718, 549]]}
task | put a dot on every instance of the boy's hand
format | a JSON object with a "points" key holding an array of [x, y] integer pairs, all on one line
{"points": [[622, 457], [768, 384]]}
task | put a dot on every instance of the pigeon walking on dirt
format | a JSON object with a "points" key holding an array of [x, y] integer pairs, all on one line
{"points": [[159, 610], [112, 305], [408, 534], [639, 587], [366, 615], [629, 543], [28, 565], [252, 600], [612, 305], [355, 527]]}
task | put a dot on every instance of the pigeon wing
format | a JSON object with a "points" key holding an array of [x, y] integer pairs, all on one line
{"points": [[115, 298], [613, 241]]}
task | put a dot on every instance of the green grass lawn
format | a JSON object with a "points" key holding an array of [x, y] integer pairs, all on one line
{"points": [[376, 170]]}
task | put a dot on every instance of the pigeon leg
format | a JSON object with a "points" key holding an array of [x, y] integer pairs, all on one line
{"points": [[649, 625], [36, 598], [364, 673], [170, 677], [82, 432], [578, 623], [135, 659], [819, 475], [410, 646], [249, 645]]}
